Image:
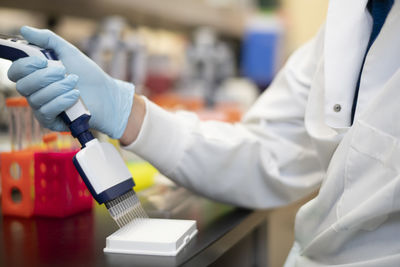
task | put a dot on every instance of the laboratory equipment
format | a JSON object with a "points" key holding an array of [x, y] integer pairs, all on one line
{"points": [[99, 164], [118, 51], [43, 183], [20, 128], [262, 49], [37, 130], [59, 191], [66, 141], [163, 237], [50, 141], [143, 172], [17, 180], [166, 200], [209, 62]]}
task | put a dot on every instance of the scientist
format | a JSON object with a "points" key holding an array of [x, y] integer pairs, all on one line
{"points": [[330, 120]]}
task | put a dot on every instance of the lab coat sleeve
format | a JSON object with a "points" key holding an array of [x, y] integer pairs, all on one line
{"points": [[266, 160]]}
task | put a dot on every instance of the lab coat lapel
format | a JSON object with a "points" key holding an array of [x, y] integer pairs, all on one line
{"points": [[347, 33], [382, 61]]}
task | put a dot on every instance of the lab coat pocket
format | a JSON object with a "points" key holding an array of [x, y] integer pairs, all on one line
{"points": [[371, 182]]}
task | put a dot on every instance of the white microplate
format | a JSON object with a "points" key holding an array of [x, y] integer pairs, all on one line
{"points": [[149, 236]]}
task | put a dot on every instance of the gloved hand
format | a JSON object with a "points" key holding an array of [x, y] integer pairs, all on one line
{"points": [[49, 91]]}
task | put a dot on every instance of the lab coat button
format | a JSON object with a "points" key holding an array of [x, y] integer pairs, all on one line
{"points": [[337, 108]]}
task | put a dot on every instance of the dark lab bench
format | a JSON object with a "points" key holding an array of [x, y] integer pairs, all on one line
{"points": [[227, 236]]}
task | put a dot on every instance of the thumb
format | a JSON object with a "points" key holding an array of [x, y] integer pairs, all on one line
{"points": [[44, 38]]}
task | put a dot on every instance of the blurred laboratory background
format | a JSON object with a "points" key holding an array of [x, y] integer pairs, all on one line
{"points": [[212, 57]]}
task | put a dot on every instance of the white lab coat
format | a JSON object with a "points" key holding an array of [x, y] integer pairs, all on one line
{"points": [[293, 139]]}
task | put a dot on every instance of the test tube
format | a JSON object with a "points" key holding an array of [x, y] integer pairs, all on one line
{"points": [[50, 141], [37, 131], [20, 123], [66, 141]]}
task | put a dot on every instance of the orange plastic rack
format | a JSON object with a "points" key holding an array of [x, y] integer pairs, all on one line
{"points": [[17, 183], [43, 183]]}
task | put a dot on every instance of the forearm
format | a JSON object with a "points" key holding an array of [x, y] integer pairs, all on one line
{"points": [[135, 121], [244, 164]]}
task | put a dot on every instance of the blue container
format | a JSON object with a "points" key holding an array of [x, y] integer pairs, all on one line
{"points": [[260, 55]]}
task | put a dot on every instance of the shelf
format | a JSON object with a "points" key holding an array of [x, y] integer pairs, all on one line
{"points": [[182, 14]]}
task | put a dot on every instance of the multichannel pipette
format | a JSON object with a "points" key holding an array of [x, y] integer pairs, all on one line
{"points": [[99, 164]]}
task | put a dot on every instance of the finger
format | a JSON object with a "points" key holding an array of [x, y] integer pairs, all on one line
{"points": [[25, 66], [58, 125], [39, 79], [52, 91], [49, 111], [43, 38]]}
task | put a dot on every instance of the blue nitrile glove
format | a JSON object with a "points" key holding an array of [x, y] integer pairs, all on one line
{"points": [[49, 92]]}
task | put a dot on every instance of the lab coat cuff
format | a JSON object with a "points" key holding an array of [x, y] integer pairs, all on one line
{"points": [[160, 140]]}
